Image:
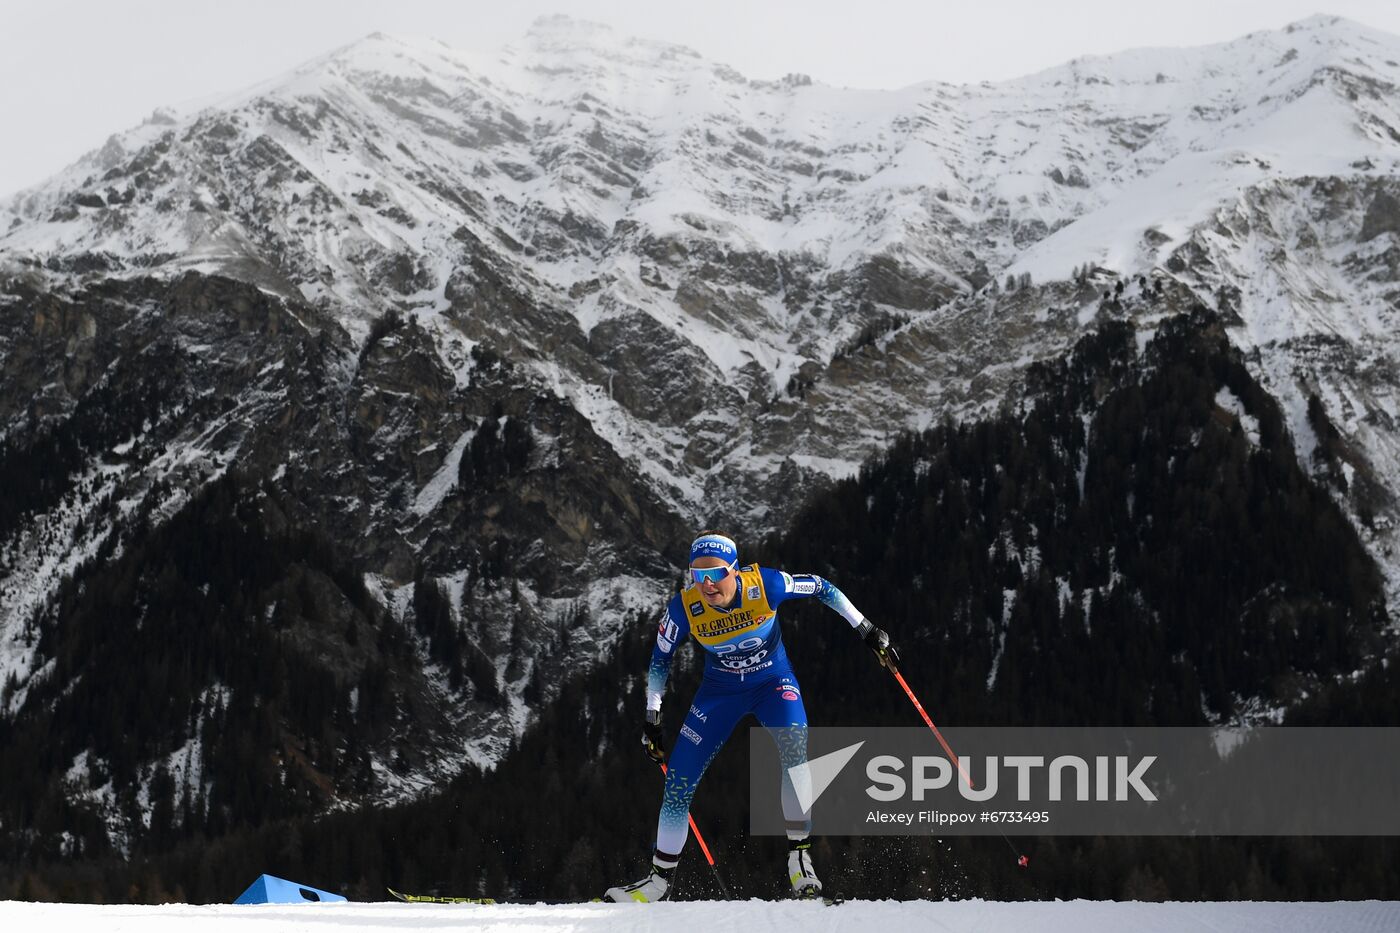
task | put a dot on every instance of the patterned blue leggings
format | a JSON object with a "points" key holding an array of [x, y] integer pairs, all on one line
{"points": [[776, 700]]}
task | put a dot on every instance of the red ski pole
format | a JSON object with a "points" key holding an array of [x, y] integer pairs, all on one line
{"points": [[938, 735], [1021, 860]]}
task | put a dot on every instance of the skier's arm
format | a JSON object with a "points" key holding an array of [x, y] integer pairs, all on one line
{"points": [[782, 586], [674, 629]]}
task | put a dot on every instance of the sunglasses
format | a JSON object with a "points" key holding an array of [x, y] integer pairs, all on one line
{"points": [[710, 574]]}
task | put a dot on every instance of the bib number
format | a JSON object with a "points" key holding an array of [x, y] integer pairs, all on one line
{"points": [[751, 648]]}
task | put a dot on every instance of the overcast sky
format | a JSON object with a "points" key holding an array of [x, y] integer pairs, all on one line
{"points": [[72, 72]]}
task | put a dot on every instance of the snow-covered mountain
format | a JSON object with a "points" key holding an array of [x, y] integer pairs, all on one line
{"points": [[690, 242], [701, 293]]}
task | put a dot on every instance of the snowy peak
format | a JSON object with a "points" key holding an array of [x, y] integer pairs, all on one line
{"points": [[1315, 41], [563, 60], [1337, 30], [561, 34], [629, 192], [568, 31], [1183, 132]]}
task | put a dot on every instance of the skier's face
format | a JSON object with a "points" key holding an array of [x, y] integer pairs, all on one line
{"points": [[719, 593]]}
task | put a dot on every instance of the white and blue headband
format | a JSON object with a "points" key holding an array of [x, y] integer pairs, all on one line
{"points": [[715, 546]]}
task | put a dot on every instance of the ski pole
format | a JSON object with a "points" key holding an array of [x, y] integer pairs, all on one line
{"points": [[703, 848], [1021, 860], [929, 722]]}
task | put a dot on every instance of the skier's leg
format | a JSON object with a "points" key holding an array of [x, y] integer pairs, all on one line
{"points": [[782, 712], [712, 717]]}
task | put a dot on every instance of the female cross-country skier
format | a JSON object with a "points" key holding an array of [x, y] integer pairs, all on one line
{"points": [[732, 612]]}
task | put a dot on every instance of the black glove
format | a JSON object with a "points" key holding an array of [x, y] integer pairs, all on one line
{"points": [[879, 641], [651, 737]]}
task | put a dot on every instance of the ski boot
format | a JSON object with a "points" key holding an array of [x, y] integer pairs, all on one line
{"points": [[805, 883], [654, 887]]}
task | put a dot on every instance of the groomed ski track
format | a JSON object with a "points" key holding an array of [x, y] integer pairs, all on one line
{"points": [[707, 916]]}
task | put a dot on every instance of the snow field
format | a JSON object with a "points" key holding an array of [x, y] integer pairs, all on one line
{"points": [[973, 916]]}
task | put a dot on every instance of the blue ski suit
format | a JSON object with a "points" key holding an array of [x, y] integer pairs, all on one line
{"points": [[746, 671]]}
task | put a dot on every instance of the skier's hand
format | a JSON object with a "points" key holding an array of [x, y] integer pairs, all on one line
{"points": [[879, 641], [651, 737]]}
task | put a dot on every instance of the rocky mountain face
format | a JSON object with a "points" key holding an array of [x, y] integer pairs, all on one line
{"points": [[504, 329], [1050, 593], [245, 422]]}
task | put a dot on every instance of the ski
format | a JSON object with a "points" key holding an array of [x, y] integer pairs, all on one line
{"points": [[434, 899]]}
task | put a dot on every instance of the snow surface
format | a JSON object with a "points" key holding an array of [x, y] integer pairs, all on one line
{"points": [[972, 916]]}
